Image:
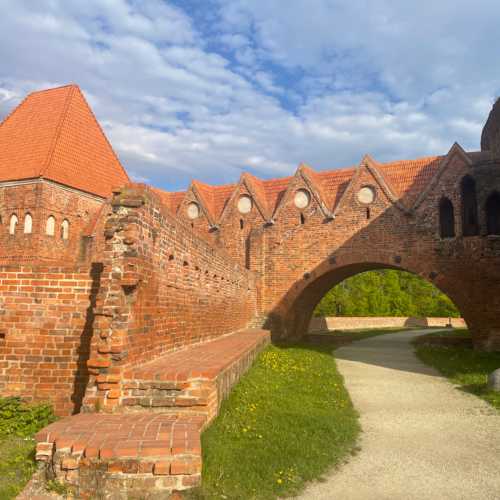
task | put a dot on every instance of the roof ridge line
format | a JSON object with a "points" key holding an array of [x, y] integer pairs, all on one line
{"points": [[57, 134], [102, 132], [74, 85]]}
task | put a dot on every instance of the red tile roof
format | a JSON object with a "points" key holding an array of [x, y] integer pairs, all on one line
{"points": [[221, 197], [334, 184], [54, 134], [171, 200], [408, 178], [256, 186], [275, 189], [405, 178]]}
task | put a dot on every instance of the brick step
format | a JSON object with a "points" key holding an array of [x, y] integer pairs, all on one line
{"points": [[131, 453], [194, 380], [152, 443]]}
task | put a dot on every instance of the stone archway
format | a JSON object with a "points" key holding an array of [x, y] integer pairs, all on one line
{"points": [[296, 316], [290, 317]]}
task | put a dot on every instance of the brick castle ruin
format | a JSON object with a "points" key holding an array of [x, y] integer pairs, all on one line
{"points": [[136, 310]]}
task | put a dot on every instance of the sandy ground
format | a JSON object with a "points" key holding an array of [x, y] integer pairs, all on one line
{"points": [[422, 437]]}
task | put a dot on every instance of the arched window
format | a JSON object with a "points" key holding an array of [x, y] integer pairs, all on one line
{"points": [[65, 229], [50, 228], [446, 218], [493, 213], [28, 224], [13, 224], [470, 226]]}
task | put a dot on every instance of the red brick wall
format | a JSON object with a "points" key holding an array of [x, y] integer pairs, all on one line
{"points": [[302, 262], [297, 262], [42, 199], [45, 325], [360, 322], [163, 288]]}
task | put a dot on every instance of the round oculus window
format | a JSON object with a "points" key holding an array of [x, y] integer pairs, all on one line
{"points": [[193, 210], [302, 198], [245, 204], [366, 195]]}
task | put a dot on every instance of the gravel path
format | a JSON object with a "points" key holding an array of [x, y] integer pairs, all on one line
{"points": [[422, 437]]}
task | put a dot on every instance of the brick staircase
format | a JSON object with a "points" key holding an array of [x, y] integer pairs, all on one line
{"points": [[151, 444]]}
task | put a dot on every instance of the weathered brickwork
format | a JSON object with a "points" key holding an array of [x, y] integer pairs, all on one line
{"points": [[41, 200], [46, 323], [163, 288], [105, 285], [404, 237]]}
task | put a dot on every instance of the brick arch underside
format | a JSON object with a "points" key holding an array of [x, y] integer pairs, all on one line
{"points": [[290, 318]]}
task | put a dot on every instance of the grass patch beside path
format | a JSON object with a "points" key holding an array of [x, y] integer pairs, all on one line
{"points": [[463, 366], [18, 423], [339, 338], [288, 421]]}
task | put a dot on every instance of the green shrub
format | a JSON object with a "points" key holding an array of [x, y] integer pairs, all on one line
{"points": [[18, 418]]}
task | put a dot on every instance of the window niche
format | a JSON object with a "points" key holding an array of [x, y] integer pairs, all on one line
{"points": [[13, 224], [446, 218], [470, 226], [493, 214], [28, 224], [65, 229], [50, 227]]}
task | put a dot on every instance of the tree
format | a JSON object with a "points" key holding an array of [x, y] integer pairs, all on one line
{"points": [[385, 292]]}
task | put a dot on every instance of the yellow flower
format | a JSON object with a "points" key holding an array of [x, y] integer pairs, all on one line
{"points": [[279, 481]]}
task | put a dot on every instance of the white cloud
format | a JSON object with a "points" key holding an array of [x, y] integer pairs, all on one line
{"points": [[178, 100]]}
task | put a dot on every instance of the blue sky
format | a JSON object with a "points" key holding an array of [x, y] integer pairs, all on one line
{"points": [[208, 88]]}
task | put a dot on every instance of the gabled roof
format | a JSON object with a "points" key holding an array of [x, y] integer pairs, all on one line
{"points": [[335, 183], [171, 200], [408, 178], [256, 188], [53, 134], [403, 181], [274, 190]]}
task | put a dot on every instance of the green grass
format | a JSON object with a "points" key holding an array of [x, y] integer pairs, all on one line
{"points": [[345, 336], [18, 423], [17, 464], [368, 332], [463, 366], [288, 421]]}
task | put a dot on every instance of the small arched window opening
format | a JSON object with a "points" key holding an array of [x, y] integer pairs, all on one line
{"points": [[65, 229], [493, 213], [302, 218], [28, 224], [13, 224], [446, 218], [470, 225], [50, 227], [368, 214], [242, 224]]}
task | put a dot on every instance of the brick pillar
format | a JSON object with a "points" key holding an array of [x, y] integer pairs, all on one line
{"points": [[113, 307]]}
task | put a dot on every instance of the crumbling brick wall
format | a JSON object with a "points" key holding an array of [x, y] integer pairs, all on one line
{"points": [[162, 288]]}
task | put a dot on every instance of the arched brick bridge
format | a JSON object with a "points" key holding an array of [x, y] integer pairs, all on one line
{"points": [[139, 308]]}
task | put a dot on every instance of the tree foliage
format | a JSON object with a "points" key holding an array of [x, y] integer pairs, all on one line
{"points": [[386, 292]]}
